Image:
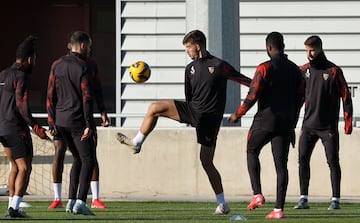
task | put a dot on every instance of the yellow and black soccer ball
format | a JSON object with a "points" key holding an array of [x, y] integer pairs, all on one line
{"points": [[140, 71]]}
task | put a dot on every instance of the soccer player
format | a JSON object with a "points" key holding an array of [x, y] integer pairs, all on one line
{"points": [[278, 87], [15, 118], [325, 85], [70, 113], [60, 146], [205, 91]]}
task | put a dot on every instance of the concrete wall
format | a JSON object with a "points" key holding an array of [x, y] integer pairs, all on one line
{"points": [[168, 166]]}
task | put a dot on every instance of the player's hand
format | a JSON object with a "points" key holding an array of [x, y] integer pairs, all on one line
{"points": [[52, 130], [86, 134], [105, 122], [40, 131], [233, 118]]}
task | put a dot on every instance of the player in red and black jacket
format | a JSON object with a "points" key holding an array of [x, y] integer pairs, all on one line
{"points": [[15, 119], [205, 91], [70, 112], [278, 87], [60, 146], [325, 86]]}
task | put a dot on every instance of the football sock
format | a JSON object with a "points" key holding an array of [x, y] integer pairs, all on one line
{"points": [[336, 199], [10, 200], [78, 201], [15, 203], [220, 198], [94, 189], [304, 196], [277, 209], [139, 138], [57, 191]]}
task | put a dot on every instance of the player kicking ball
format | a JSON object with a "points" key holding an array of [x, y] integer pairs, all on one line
{"points": [[205, 92]]}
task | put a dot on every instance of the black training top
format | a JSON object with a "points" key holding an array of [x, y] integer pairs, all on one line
{"points": [[325, 85], [278, 86], [205, 84], [15, 115], [69, 99]]}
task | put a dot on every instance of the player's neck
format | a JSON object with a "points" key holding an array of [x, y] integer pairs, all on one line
{"points": [[202, 54]]}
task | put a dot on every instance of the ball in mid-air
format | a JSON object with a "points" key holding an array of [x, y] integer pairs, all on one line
{"points": [[140, 71]]}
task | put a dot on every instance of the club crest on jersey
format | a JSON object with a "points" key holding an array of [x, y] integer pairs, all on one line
{"points": [[325, 76], [192, 70], [307, 74], [211, 69]]}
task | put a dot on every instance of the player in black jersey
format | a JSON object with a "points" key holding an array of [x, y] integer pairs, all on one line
{"points": [[70, 113], [325, 86], [60, 145], [205, 91], [278, 87], [15, 119]]}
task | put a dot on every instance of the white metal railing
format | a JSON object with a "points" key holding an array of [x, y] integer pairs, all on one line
{"points": [[356, 117]]}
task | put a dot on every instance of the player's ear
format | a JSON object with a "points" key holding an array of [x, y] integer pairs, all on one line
{"points": [[82, 45], [268, 47], [198, 47], [31, 60]]}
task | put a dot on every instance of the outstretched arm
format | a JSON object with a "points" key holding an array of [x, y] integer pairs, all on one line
{"points": [[256, 87]]}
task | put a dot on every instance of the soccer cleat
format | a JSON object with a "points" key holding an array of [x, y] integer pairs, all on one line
{"points": [[302, 204], [70, 206], [97, 203], [24, 204], [12, 213], [222, 209], [275, 214], [123, 139], [81, 208], [334, 205], [56, 204], [256, 201]]}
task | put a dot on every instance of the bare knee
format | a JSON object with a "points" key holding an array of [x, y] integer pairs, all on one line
{"points": [[155, 108], [23, 166]]}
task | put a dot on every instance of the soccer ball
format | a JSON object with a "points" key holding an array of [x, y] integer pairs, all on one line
{"points": [[140, 71]]}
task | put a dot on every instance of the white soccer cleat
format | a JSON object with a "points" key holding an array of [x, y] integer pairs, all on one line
{"points": [[81, 208], [24, 204], [222, 209], [70, 206], [123, 139]]}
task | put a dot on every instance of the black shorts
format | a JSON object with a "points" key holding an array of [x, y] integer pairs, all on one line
{"points": [[20, 145], [207, 125]]}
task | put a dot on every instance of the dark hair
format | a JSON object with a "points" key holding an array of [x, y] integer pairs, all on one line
{"points": [[79, 37], [195, 37], [26, 49], [313, 41], [276, 40]]}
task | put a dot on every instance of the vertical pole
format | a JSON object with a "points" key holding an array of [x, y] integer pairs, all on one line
{"points": [[224, 42], [118, 60]]}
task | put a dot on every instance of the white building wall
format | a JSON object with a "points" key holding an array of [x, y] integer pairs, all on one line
{"points": [[153, 30], [336, 22]]}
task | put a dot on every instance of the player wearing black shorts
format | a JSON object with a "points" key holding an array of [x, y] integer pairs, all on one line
{"points": [[325, 86], [15, 118], [278, 87], [205, 91], [70, 113]]}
